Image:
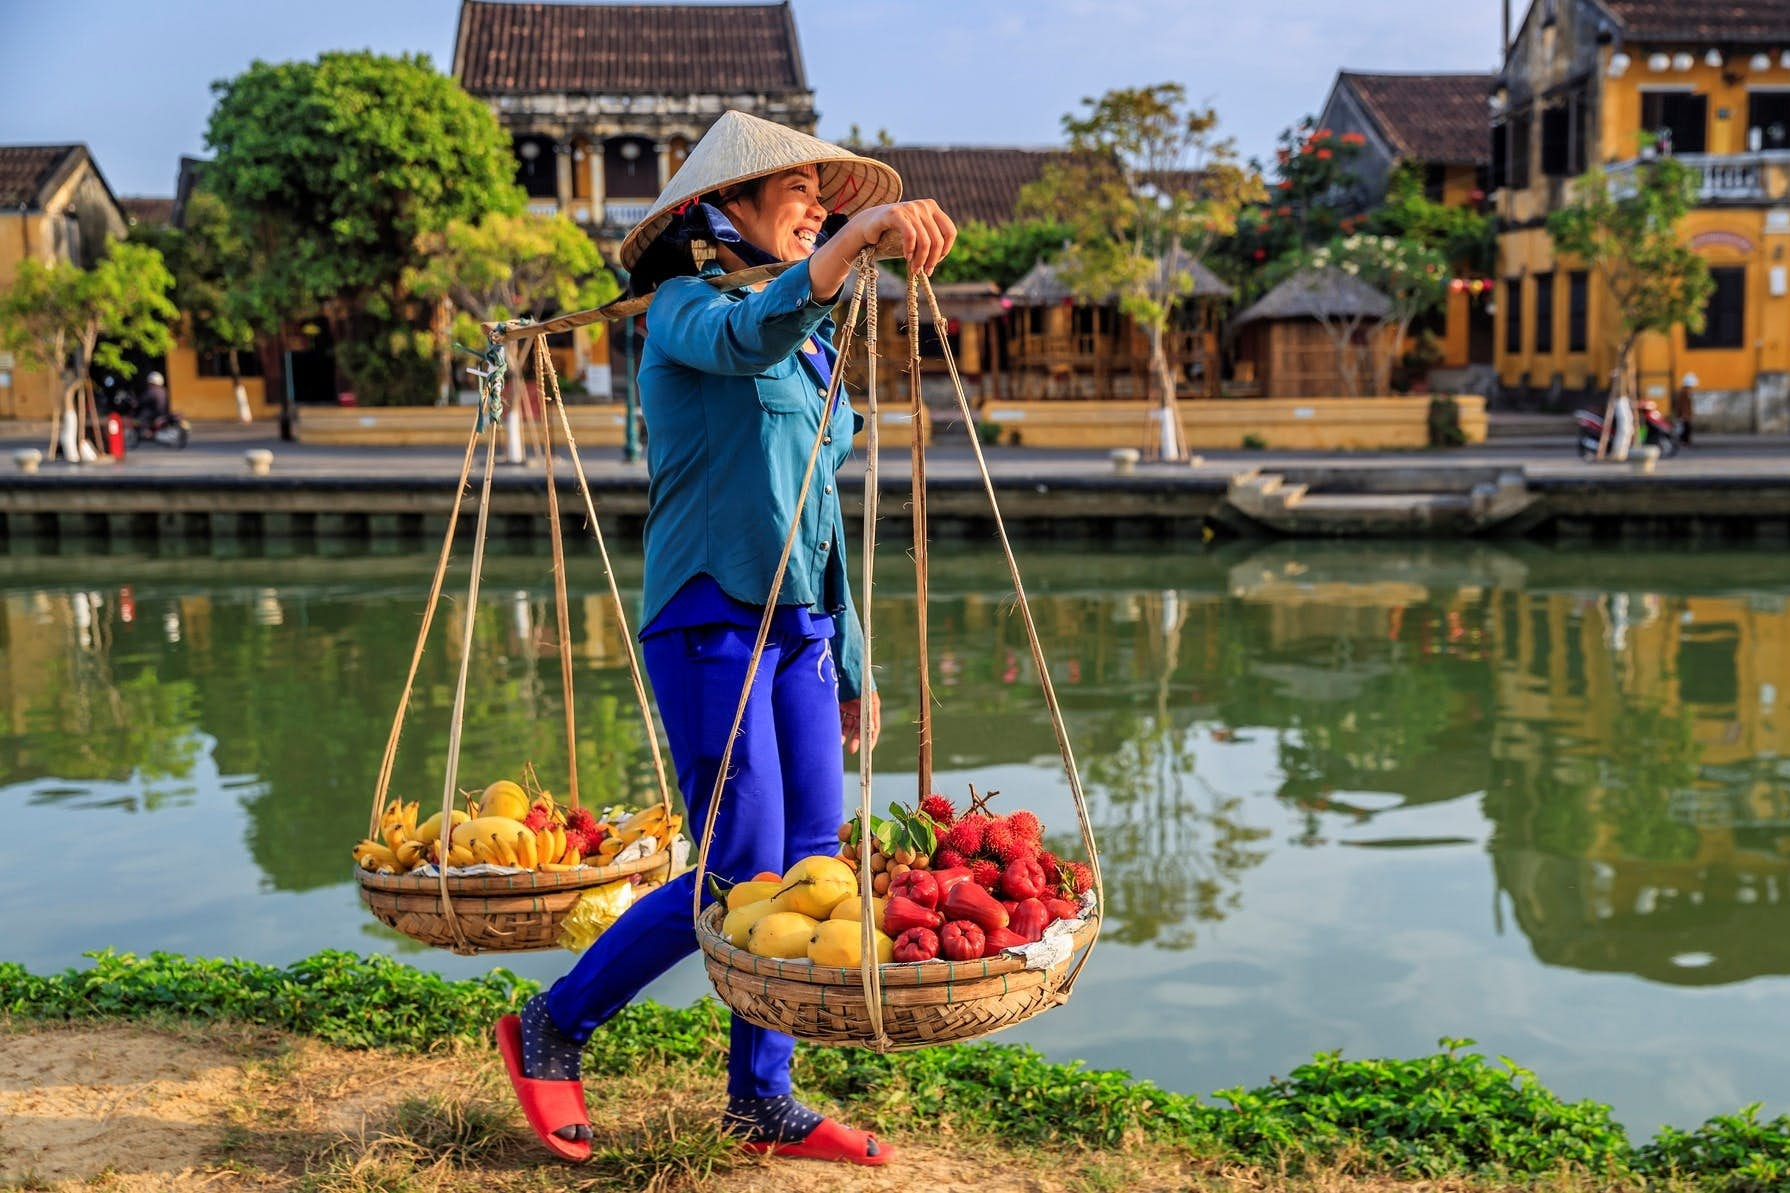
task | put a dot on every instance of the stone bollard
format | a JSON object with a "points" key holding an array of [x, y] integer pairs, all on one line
{"points": [[28, 458], [1125, 460], [259, 460]]}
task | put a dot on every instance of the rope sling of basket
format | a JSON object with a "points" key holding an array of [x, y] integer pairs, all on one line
{"points": [[529, 337], [863, 298]]}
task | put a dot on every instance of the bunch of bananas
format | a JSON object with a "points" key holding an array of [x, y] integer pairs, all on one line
{"points": [[651, 821], [504, 828]]}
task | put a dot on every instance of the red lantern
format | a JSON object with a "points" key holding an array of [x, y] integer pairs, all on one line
{"points": [[1458, 285]]}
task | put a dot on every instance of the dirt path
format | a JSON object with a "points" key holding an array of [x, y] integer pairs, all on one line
{"points": [[224, 1108]]}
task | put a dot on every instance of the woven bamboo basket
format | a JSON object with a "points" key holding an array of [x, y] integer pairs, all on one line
{"points": [[496, 913], [505, 913], [923, 1003], [909, 1005]]}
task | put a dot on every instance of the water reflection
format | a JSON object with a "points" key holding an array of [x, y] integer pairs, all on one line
{"points": [[1620, 741]]}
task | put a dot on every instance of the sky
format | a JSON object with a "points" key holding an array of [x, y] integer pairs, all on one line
{"points": [[133, 80]]}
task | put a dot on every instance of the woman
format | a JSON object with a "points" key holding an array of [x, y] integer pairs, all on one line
{"points": [[732, 386]]}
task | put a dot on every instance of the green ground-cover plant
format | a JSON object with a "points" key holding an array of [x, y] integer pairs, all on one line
{"points": [[1451, 1114]]}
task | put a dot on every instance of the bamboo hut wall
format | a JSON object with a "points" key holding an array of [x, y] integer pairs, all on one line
{"points": [[1299, 359]]}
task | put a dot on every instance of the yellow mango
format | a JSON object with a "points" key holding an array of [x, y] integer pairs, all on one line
{"points": [[815, 885], [781, 934], [750, 892], [841, 942], [430, 829], [739, 921], [504, 798], [850, 908]]}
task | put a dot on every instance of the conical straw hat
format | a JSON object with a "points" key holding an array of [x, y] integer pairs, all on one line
{"points": [[738, 148]]}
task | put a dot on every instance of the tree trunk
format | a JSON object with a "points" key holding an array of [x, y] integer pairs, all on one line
{"points": [[1618, 379], [243, 414], [1168, 437]]}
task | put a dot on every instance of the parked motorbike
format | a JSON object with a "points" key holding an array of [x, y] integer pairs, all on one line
{"points": [[1652, 427], [143, 426]]}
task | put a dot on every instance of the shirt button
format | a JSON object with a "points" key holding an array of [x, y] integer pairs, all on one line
{"points": [[826, 439], [825, 546], [829, 488]]}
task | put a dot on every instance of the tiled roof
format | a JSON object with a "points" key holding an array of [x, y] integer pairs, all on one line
{"points": [[970, 182], [627, 49], [1430, 118], [1752, 21], [147, 209], [1311, 293], [27, 171], [1043, 286]]}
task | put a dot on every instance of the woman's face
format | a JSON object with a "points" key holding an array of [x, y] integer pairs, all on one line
{"points": [[785, 216]]}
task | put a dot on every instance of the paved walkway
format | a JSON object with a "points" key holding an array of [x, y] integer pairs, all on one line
{"points": [[217, 450]]}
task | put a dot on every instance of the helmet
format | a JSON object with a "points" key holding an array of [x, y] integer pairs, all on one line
{"points": [[155, 379]]}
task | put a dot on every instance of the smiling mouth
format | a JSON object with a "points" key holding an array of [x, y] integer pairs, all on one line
{"points": [[806, 237]]}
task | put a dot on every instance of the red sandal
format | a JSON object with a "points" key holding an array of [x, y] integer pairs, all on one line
{"points": [[548, 1105], [831, 1141]]}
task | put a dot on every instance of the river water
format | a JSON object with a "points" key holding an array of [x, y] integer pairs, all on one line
{"points": [[1358, 797]]}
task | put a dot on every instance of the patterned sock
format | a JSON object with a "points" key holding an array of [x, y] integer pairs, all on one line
{"points": [[770, 1120], [547, 1053]]}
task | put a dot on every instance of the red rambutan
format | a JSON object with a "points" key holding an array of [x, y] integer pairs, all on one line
{"points": [[940, 809], [1027, 825], [536, 819], [575, 839], [581, 820], [985, 873], [1002, 841], [1077, 877], [966, 835], [1052, 868], [948, 858]]}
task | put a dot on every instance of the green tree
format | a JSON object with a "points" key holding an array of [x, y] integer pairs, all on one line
{"points": [[1313, 197], [1001, 253], [1412, 275], [502, 266], [1466, 236], [210, 261], [332, 169], [65, 319], [1146, 190], [1628, 234]]}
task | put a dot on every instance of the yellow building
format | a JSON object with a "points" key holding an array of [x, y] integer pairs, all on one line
{"points": [[1438, 124], [1583, 81], [54, 206]]}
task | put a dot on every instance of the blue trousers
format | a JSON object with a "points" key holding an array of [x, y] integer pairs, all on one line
{"points": [[784, 802]]}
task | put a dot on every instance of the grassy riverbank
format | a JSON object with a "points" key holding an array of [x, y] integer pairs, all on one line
{"points": [[346, 1075]]}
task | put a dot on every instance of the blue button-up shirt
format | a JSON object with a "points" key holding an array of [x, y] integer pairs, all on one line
{"points": [[731, 413]]}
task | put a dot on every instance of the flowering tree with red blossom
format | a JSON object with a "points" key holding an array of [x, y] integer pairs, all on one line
{"points": [[1313, 194]]}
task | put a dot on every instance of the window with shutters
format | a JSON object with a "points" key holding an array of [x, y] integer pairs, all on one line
{"points": [[1578, 309], [1519, 147], [1680, 119], [1544, 314], [1556, 141], [1768, 119], [1513, 316], [1724, 317]]}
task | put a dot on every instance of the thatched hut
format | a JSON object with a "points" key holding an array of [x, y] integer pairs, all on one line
{"points": [[1320, 333], [1061, 346]]}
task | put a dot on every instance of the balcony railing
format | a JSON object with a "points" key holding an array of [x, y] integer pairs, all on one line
{"points": [[1721, 177], [543, 207], [625, 214]]}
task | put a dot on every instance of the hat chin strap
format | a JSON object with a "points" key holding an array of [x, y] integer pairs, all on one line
{"points": [[705, 221]]}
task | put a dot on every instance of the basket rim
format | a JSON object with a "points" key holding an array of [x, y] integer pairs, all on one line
{"points": [[523, 881], [892, 974]]}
